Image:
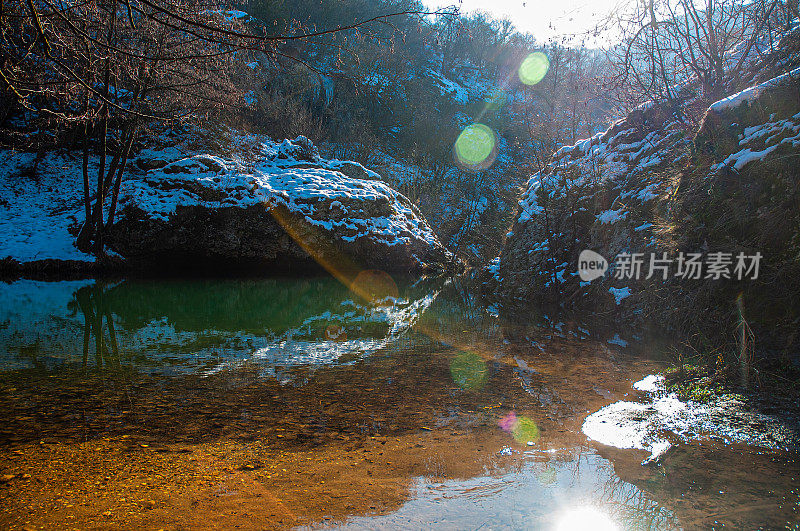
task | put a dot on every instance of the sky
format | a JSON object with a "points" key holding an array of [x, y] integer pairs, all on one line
{"points": [[545, 19]]}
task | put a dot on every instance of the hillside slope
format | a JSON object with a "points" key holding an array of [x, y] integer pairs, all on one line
{"points": [[699, 225]]}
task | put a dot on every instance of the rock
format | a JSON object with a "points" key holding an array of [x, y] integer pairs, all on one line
{"points": [[301, 148], [193, 165], [289, 210], [654, 183], [725, 123], [602, 194], [147, 164]]}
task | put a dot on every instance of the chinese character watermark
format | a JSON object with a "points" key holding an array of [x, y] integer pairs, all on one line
{"points": [[689, 266]]}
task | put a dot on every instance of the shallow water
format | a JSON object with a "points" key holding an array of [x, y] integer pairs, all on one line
{"points": [[293, 402]]}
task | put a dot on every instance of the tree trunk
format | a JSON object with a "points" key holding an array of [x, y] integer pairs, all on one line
{"points": [[115, 194], [86, 234]]}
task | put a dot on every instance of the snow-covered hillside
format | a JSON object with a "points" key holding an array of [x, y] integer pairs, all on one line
{"points": [[657, 189], [40, 209]]}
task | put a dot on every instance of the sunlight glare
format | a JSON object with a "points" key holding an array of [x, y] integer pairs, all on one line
{"points": [[375, 286], [468, 371], [582, 518], [523, 429]]}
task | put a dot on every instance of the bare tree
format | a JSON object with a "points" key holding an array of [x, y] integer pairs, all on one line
{"points": [[671, 44], [98, 71], [571, 102]]}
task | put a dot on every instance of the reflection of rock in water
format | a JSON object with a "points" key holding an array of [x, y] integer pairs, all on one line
{"points": [[199, 325], [306, 345], [649, 426]]}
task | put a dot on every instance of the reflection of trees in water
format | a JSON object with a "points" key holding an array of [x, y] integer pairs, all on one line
{"points": [[98, 326], [292, 320], [634, 509], [629, 506]]}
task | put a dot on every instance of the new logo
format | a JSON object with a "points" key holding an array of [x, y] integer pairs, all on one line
{"points": [[591, 265]]}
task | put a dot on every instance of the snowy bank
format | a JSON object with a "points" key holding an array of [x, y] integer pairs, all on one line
{"points": [[41, 205], [265, 204], [655, 185]]}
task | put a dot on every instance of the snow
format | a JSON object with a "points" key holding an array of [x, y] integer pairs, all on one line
{"points": [[761, 140], [628, 159], [616, 340], [601, 158], [611, 216], [644, 426], [740, 159], [280, 180], [230, 15], [233, 14], [750, 94], [449, 88], [528, 204], [620, 293], [652, 160], [37, 211], [494, 268], [379, 82], [650, 383], [616, 425], [40, 214]]}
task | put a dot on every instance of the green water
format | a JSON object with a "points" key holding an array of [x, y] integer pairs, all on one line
{"points": [[202, 360]]}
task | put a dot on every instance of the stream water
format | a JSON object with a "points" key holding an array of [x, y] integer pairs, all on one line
{"points": [[294, 403]]}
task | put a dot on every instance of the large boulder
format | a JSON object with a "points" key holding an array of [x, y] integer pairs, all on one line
{"points": [[655, 184], [602, 194], [739, 119], [288, 210]]}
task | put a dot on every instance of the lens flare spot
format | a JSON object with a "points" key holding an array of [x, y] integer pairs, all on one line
{"points": [[468, 371], [476, 147], [523, 429], [508, 422], [335, 333], [582, 518], [526, 431], [495, 100], [534, 68], [375, 286]]}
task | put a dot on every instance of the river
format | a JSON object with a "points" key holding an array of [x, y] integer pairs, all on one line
{"points": [[280, 403]]}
